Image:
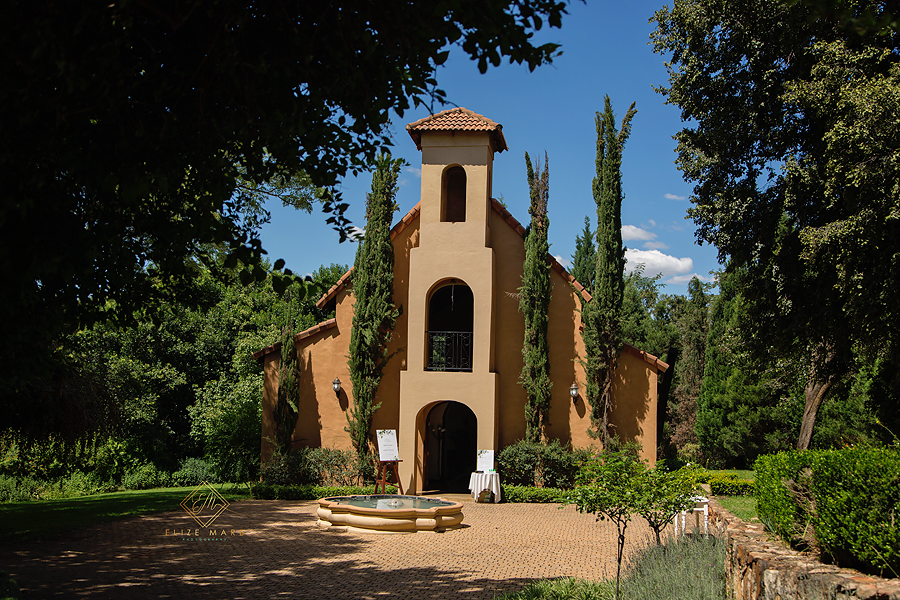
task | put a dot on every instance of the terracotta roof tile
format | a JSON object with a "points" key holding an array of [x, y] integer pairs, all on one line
{"points": [[266, 351], [649, 358], [276, 347], [318, 327], [457, 119]]}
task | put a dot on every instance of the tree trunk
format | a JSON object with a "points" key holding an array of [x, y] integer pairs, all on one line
{"points": [[814, 393]]}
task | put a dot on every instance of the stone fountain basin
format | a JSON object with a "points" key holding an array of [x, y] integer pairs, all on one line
{"points": [[388, 514]]}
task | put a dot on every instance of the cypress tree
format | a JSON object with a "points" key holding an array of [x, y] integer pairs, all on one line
{"points": [[534, 302], [584, 261], [374, 313], [601, 327], [286, 406]]}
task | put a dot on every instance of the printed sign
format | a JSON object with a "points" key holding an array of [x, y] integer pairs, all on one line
{"points": [[485, 461], [387, 445]]}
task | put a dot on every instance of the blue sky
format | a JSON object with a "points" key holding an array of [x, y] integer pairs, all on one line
{"points": [[606, 50]]}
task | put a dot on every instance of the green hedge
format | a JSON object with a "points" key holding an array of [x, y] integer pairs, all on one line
{"points": [[849, 498], [266, 491], [729, 485], [548, 465], [775, 503], [528, 493]]}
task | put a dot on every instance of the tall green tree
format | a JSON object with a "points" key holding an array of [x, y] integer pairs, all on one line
{"points": [[735, 406], [131, 130], [601, 326], [374, 312], [534, 304], [584, 261], [692, 324], [793, 151], [646, 317]]}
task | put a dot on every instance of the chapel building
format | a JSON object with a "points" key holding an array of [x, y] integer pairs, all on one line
{"points": [[452, 388]]}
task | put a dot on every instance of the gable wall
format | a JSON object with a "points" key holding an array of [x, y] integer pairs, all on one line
{"points": [[324, 356]]}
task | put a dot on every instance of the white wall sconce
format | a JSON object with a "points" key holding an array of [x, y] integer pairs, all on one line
{"points": [[573, 391]]}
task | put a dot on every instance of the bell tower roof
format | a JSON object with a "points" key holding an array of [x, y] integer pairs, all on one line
{"points": [[457, 119]]}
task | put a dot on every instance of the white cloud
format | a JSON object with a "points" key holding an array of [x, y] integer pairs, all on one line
{"points": [[355, 232], [565, 263], [687, 277], [674, 197], [656, 246], [414, 171], [630, 232], [650, 224], [656, 262]]}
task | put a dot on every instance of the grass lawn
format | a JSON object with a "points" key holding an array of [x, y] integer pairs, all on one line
{"points": [[743, 507], [21, 521]]}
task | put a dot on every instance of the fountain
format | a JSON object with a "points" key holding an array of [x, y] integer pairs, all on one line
{"points": [[388, 514]]}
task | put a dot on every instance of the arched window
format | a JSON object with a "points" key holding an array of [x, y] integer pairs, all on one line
{"points": [[453, 206], [450, 317]]}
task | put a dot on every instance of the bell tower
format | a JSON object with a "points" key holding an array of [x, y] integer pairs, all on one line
{"points": [[450, 346]]}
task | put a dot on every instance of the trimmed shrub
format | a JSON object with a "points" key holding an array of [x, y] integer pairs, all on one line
{"points": [[518, 463], [194, 471], [267, 491], [333, 467], [702, 475], [317, 466], [843, 502], [531, 494], [729, 485], [778, 485], [857, 501], [535, 464], [559, 464]]}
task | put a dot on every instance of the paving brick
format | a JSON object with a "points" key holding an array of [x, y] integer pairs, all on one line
{"points": [[277, 552]]}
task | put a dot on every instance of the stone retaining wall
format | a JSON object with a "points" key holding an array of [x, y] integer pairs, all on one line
{"points": [[759, 566]]}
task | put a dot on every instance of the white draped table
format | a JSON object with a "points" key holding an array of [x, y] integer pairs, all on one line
{"points": [[479, 482]]}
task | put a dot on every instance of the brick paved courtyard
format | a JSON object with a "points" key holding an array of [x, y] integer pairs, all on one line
{"points": [[281, 554]]}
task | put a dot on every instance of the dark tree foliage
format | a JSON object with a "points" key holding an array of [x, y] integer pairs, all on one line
{"points": [[374, 312], [136, 133], [692, 325], [793, 150], [735, 406], [584, 261], [286, 408], [646, 317], [601, 326], [534, 304]]}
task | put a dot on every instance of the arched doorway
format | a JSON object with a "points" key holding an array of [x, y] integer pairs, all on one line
{"points": [[450, 324], [451, 440]]}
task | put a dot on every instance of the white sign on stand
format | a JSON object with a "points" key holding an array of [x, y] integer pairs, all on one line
{"points": [[485, 461], [387, 445]]}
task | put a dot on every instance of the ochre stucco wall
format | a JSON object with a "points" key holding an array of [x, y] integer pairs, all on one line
{"points": [[485, 252], [450, 252], [322, 419]]}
